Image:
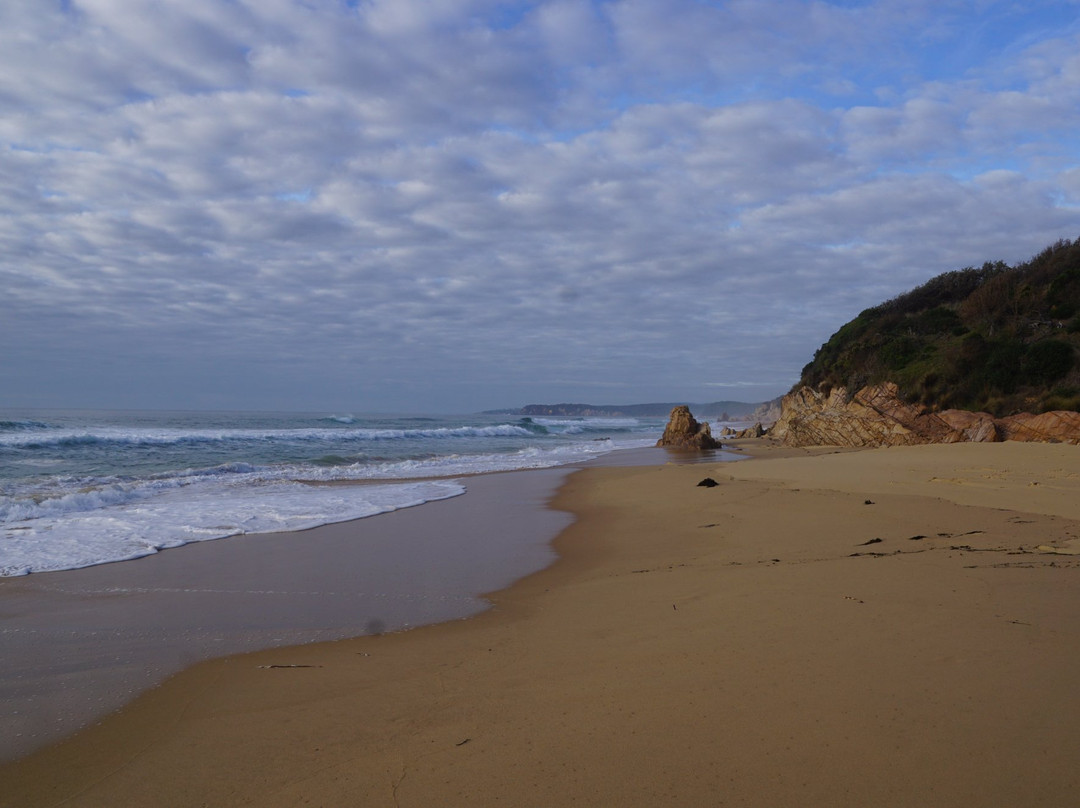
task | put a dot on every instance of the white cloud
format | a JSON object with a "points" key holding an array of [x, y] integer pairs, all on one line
{"points": [[639, 195]]}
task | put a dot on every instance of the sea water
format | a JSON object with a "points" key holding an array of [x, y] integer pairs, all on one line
{"points": [[79, 488]]}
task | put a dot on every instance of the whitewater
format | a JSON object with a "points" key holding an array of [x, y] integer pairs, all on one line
{"points": [[79, 488]]}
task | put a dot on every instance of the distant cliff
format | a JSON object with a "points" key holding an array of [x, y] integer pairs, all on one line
{"points": [[733, 410]]}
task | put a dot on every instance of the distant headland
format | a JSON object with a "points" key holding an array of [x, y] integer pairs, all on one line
{"points": [[717, 410]]}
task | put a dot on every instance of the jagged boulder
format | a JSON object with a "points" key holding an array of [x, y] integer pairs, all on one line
{"points": [[684, 432], [755, 431], [876, 416]]}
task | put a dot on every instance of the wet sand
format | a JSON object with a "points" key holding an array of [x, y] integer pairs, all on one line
{"points": [[889, 627], [78, 644]]}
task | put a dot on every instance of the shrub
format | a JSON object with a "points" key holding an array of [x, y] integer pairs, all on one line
{"points": [[1002, 368], [1053, 402], [1063, 295], [1048, 360], [898, 352]]}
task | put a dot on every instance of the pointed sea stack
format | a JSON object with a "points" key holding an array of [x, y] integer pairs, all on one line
{"points": [[683, 432]]}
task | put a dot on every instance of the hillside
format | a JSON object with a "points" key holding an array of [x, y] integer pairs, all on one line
{"points": [[1000, 339]]}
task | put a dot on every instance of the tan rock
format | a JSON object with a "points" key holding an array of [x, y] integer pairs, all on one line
{"points": [[756, 431], [976, 427], [876, 416], [684, 432], [1060, 426]]}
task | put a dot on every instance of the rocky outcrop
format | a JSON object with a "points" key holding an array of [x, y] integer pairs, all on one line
{"points": [[1060, 426], [756, 431], [975, 427], [876, 416], [684, 432]]}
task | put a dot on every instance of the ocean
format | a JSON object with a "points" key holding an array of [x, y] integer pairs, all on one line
{"points": [[79, 488]]}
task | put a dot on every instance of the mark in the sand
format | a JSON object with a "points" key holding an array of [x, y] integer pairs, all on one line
{"points": [[871, 541], [920, 537], [462, 743], [1026, 565], [669, 568], [848, 597], [1052, 550], [289, 666], [954, 535], [875, 555]]}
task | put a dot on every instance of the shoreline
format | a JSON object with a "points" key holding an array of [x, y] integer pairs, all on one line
{"points": [[79, 644], [747, 644], [76, 645]]}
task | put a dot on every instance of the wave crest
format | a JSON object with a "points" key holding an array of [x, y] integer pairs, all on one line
{"points": [[177, 437]]}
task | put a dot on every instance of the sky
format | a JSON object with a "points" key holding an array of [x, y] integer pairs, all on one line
{"points": [[457, 205]]}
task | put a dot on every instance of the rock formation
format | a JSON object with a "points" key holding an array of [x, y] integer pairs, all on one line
{"points": [[876, 416], [1060, 426], [755, 431], [684, 432]]}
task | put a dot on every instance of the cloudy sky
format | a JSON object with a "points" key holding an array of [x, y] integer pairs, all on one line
{"points": [[454, 205]]}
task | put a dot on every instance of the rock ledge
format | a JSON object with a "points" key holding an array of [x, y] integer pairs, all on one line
{"points": [[876, 416]]}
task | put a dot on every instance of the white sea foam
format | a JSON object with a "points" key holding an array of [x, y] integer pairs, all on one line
{"points": [[134, 523], [164, 437], [125, 520], [454, 465], [590, 422], [76, 491], [577, 426]]}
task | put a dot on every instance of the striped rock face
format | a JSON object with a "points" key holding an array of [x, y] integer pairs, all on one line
{"points": [[876, 416]]}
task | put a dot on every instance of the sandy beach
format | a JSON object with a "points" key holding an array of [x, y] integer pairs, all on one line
{"points": [[894, 627], [76, 645]]}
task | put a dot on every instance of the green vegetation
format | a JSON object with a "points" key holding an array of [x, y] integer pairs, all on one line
{"points": [[1001, 339]]}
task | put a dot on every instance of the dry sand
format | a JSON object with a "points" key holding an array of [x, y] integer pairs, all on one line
{"points": [[872, 628]]}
